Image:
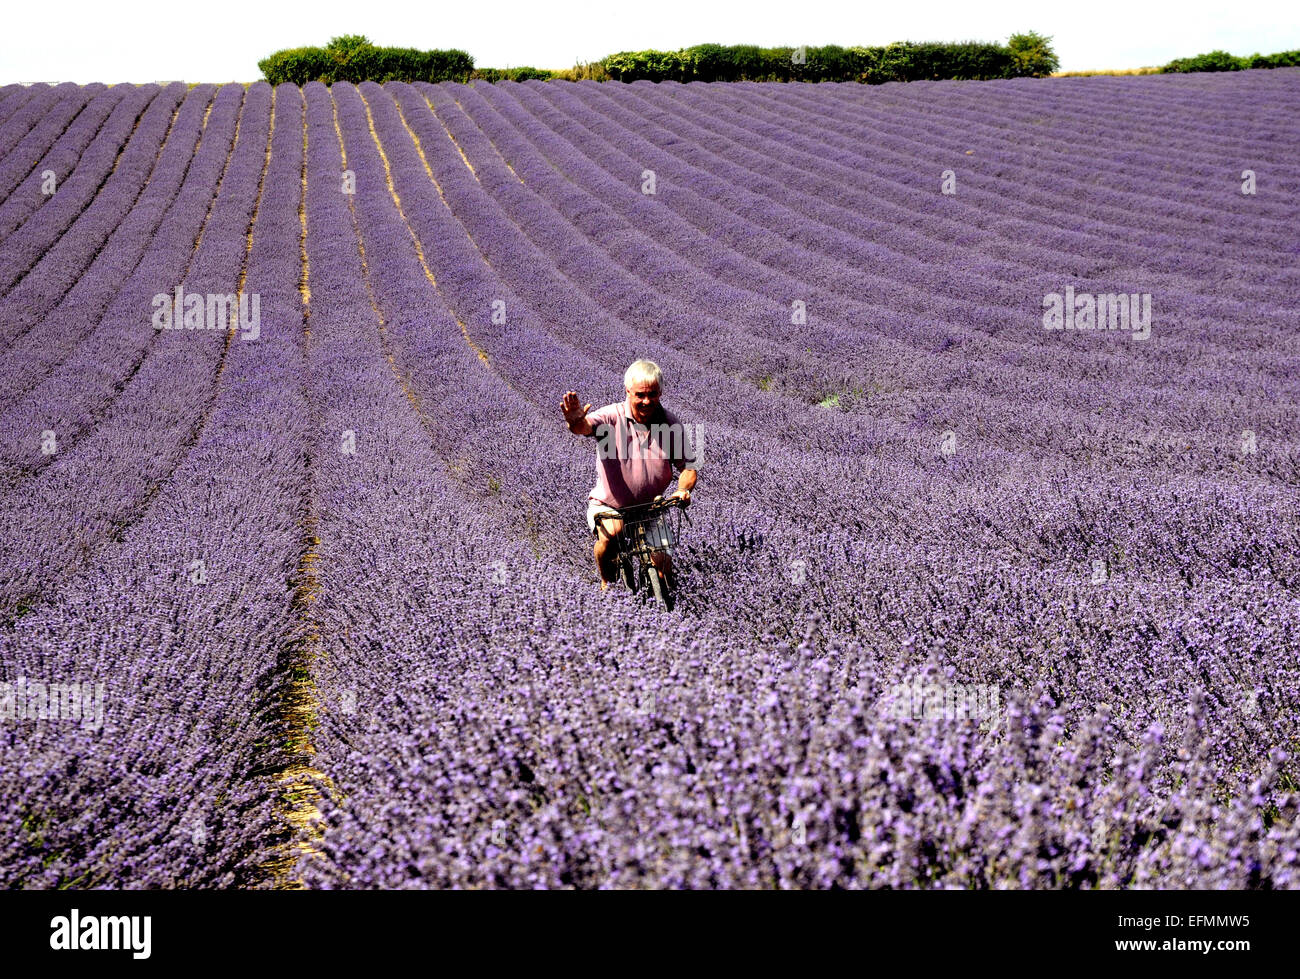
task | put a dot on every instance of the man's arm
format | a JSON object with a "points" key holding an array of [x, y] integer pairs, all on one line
{"points": [[575, 415], [685, 460], [685, 483]]}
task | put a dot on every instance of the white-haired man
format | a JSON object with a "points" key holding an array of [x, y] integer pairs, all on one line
{"points": [[640, 443]]}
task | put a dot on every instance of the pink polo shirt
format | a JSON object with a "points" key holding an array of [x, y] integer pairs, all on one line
{"points": [[634, 462]]}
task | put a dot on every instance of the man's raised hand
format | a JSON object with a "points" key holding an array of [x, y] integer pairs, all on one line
{"points": [[574, 412]]}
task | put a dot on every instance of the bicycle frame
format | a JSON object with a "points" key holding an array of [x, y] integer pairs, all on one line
{"points": [[632, 543]]}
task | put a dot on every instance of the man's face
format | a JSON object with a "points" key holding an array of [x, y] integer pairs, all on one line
{"points": [[642, 397]]}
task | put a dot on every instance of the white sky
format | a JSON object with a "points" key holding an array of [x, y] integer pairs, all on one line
{"points": [[223, 40]]}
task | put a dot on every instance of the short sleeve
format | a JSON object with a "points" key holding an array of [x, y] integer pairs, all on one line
{"points": [[602, 416]]}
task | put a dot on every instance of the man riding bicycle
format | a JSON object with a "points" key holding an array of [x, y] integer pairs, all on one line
{"points": [[639, 444]]}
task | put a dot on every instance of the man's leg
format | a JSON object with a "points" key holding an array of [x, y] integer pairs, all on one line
{"points": [[604, 550], [606, 560], [664, 562]]}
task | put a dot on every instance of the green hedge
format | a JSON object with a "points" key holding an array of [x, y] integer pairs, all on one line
{"points": [[1212, 61], [297, 65], [1025, 55], [1223, 61], [523, 73], [1283, 59], [352, 58]]}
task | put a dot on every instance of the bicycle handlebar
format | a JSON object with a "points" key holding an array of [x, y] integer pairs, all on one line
{"points": [[641, 511]]}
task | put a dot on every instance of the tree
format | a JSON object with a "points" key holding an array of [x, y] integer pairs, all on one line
{"points": [[1032, 55], [343, 49]]}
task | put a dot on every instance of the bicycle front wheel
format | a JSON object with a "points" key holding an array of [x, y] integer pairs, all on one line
{"points": [[660, 588]]}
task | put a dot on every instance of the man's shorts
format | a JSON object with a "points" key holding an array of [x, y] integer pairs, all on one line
{"points": [[658, 533]]}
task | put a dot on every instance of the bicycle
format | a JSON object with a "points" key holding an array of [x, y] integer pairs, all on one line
{"points": [[635, 547]]}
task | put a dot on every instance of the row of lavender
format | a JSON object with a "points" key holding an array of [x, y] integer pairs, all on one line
{"points": [[178, 614], [120, 419]]}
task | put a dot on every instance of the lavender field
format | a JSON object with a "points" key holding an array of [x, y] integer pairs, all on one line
{"points": [[301, 594]]}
